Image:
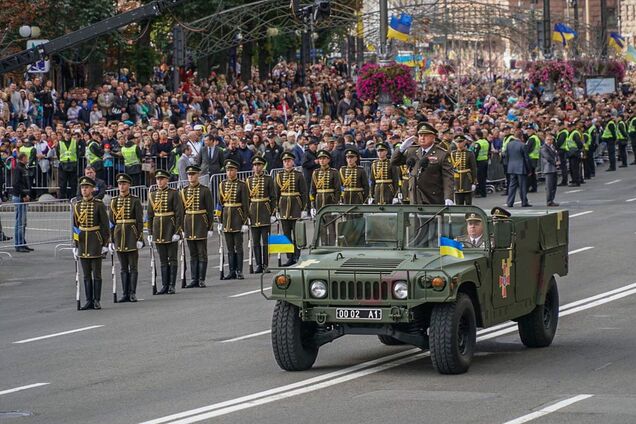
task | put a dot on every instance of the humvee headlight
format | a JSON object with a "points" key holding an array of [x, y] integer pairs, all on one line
{"points": [[438, 283], [282, 281], [318, 289], [400, 290]]}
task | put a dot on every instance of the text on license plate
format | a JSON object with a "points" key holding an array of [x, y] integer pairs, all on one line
{"points": [[355, 313]]}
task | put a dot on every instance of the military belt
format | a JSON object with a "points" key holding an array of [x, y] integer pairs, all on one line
{"points": [[260, 199], [462, 171], [293, 193], [126, 221], [164, 214], [198, 212], [233, 205], [327, 190], [95, 228], [384, 181], [352, 189]]}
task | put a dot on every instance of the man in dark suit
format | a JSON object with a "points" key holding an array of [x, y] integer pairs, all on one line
{"points": [[210, 158], [430, 170], [549, 163], [518, 167]]}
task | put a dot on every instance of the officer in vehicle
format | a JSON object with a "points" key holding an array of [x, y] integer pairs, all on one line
{"points": [[262, 205], [474, 237], [234, 198]]}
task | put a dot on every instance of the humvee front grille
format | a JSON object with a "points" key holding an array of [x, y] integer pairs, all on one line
{"points": [[372, 263], [359, 290]]}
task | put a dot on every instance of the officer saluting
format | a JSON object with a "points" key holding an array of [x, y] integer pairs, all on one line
{"points": [[291, 191], [354, 180], [165, 220], [464, 171], [127, 229], [197, 225], [384, 177], [262, 204], [235, 200], [91, 218]]}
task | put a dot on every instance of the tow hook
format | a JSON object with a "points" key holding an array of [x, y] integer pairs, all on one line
{"points": [[396, 313], [321, 318]]}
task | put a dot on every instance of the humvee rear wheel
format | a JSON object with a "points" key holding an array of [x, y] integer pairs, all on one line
{"points": [[292, 338], [537, 329], [452, 335], [390, 341]]}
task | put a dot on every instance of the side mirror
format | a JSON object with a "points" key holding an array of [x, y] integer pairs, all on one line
{"points": [[300, 234], [503, 234]]}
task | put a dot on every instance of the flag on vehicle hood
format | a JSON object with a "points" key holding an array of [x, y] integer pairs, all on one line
{"points": [[450, 247], [279, 243]]}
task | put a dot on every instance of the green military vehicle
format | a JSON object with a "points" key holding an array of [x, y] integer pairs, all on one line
{"points": [[378, 270]]}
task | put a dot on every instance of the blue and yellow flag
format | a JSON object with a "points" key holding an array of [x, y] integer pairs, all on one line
{"points": [[451, 247], [217, 209], [630, 54], [76, 233], [279, 243], [410, 59], [562, 33], [616, 41], [400, 28]]}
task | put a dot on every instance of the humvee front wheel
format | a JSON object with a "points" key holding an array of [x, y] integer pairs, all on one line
{"points": [[537, 329], [292, 338], [389, 341], [452, 335]]}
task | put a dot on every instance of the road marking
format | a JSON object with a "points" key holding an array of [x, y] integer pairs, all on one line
{"points": [[19, 389], [613, 182], [582, 249], [360, 370], [57, 334], [249, 336], [581, 214], [548, 409], [573, 191], [631, 200], [250, 292]]}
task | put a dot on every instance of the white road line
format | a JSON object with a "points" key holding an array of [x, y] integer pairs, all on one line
{"points": [[250, 292], [249, 336], [581, 214], [548, 409], [57, 334], [631, 200], [582, 249], [613, 182], [573, 191], [359, 370], [19, 389]]}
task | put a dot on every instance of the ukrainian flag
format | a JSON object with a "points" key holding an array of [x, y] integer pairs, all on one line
{"points": [[409, 59], [630, 54], [450, 247], [76, 233], [616, 41], [279, 243], [400, 28], [217, 209], [562, 33]]}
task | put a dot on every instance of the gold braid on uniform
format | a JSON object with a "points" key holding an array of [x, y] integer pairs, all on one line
{"points": [[258, 191], [159, 203], [191, 198]]}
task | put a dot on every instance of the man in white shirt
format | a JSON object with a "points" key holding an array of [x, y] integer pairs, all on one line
{"points": [[474, 237]]}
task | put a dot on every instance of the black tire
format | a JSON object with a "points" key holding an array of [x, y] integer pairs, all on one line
{"points": [[538, 328], [390, 341], [453, 335], [292, 339]]}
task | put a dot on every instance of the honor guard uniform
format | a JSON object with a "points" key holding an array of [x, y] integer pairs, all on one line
{"points": [[127, 229], [354, 180], [262, 205], [291, 192], [198, 224], [91, 220], [325, 190], [464, 172], [403, 194], [165, 221], [384, 177]]}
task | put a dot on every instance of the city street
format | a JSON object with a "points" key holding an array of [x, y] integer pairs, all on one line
{"points": [[204, 355]]}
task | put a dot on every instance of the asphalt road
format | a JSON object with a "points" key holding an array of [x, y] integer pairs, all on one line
{"points": [[205, 356]]}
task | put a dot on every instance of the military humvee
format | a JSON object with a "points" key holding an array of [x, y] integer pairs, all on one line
{"points": [[378, 270]]}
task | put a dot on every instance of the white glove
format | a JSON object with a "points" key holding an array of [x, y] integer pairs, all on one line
{"points": [[111, 248], [303, 215], [277, 215], [313, 212], [272, 219], [395, 201], [176, 237], [105, 250], [407, 143], [449, 202], [370, 201], [149, 238], [220, 227], [75, 253], [473, 187], [210, 233], [244, 228], [140, 244]]}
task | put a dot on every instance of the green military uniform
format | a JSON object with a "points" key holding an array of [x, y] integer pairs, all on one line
{"points": [[127, 229], [355, 182], [291, 192], [384, 179], [165, 221], [235, 201], [464, 173], [262, 205], [325, 190], [404, 184], [91, 221], [198, 221], [472, 242]]}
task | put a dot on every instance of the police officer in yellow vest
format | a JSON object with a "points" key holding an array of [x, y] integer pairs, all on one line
{"points": [[127, 230], [573, 148], [481, 148], [621, 138], [560, 143], [29, 150], [262, 206], [132, 160], [631, 132], [68, 153], [234, 198], [609, 136], [95, 154], [590, 143], [533, 147]]}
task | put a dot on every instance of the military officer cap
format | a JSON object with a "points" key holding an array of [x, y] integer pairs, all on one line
{"points": [[124, 178], [381, 146], [193, 169], [352, 152], [472, 216], [501, 213], [257, 160], [460, 139], [231, 164], [323, 154], [288, 155], [160, 173], [426, 128], [86, 181]]}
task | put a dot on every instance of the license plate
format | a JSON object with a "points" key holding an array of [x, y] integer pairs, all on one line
{"points": [[358, 313]]}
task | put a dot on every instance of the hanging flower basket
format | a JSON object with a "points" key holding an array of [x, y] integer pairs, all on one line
{"points": [[558, 72], [393, 80]]}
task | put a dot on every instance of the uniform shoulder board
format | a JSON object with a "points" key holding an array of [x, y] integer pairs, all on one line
{"points": [[98, 200], [441, 148]]}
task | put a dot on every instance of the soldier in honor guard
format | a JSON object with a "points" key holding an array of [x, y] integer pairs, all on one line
{"points": [[464, 171], [198, 224], [165, 221], [262, 206], [325, 190], [234, 216], [127, 230], [384, 178], [354, 180], [91, 219], [291, 192]]}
